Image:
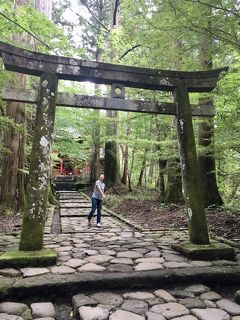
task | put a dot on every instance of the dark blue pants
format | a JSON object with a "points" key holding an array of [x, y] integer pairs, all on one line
{"points": [[96, 204]]}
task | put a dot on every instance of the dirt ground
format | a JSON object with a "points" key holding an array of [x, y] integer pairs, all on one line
{"points": [[149, 214]]}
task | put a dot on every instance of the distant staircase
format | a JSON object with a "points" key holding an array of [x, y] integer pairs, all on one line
{"points": [[64, 182]]}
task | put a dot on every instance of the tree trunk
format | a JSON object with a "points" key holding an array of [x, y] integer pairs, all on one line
{"points": [[95, 167], [44, 6], [173, 188], [39, 173], [162, 166], [211, 195], [206, 160], [125, 157], [125, 166], [12, 178], [143, 168], [112, 175], [12, 191]]}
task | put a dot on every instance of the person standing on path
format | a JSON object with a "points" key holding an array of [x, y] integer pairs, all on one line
{"points": [[97, 198]]}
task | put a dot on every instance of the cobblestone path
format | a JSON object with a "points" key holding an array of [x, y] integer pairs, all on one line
{"points": [[112, 248]]}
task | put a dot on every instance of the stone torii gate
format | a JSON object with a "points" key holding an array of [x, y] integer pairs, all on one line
{"points": [[51, 68]]}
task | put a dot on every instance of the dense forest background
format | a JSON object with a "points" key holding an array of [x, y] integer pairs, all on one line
{"points": [[139, 150]]}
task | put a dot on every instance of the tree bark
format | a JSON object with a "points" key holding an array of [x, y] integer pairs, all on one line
{"points": [[162, 166], [39, 173], [44, 6], [207, 165], [143, 168], [95, 167], [12, 191], [112, 175], [211, 195], [173, 186], [12, 178], [125, 153]]}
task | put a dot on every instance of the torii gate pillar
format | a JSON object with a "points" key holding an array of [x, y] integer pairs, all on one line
{"points": [[198, 230], [39, 173]]}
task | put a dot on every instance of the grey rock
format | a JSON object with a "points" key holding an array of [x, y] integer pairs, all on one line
{"points": [[192, 303], [5, 316], [122, 261], [197, 289], [209, 304], [170, 310], [173, 265], [126, 315], [129, 254], [237, 296], [13, 308], [64, 249], [210, 295], [108, 252], [182, 294], [108, 298], [148, 266], [210, 313], [80, 300], [62, 270], [135, 306], [154, 316], [64, 258], [173, 258], [229, 306], [153, 301], [99, 258], [92, 267], [91, 252], [75, 263], [10, 272], [150, 260], [43, 309], [93, 313], [163, 294], [153, 254], [119, 268], [201, 263], [45, 318], [189, 317], [225, 263], [31, 272], [138, 295]]}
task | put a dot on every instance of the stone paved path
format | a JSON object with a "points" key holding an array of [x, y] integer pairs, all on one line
{"points": [[194, 302], [118, 247]]}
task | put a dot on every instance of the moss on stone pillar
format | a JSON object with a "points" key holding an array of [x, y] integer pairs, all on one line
{"points": [[198, 230], [39, 173]]}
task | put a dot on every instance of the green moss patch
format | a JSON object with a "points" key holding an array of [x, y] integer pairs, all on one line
{"points": [[20, 259], [213, 251]]}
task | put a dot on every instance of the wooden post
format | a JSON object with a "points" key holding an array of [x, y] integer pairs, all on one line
{"points": [[192, 192], [39, 173]]}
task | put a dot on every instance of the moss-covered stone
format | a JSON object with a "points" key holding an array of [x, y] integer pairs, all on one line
{"points": [[20, 259], [5, 285], [212, 251]]}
